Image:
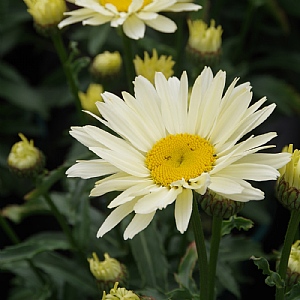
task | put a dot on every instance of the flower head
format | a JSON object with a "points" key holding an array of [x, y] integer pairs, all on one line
{"points": [[93, 94], [119, 294], [46, 12], [204, 42], [169, 145], [132, 15], [106, 65], [107, 272], [25, 159], [288, 184], [149, 66]]}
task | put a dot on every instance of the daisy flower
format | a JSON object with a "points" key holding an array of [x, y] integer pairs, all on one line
{"points": [[132, 15], [169, 144]]}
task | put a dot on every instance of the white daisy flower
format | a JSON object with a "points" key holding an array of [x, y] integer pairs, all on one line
{"points": [[170, 144], [132, 15]]}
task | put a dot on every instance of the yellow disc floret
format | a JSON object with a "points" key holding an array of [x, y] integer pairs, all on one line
{"points": [[179, 156], [122, 5]]}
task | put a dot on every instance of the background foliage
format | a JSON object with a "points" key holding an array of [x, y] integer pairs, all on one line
{"points": [[260, 45]]}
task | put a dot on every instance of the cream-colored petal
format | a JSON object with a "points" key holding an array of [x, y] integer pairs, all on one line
{"points": [[249, 193], [254, 171], [115, 217], [225, 185], [177, 7], [139, 189], [155, 200], [96, 20], [116, 182], [197, 100], [275, 160], [137, 224], [183, 209], [91, 168], [162, 24], [213, 96], [125, 120], [134, 28], [127, 163]]}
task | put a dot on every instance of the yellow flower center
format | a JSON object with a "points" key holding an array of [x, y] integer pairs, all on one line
{"points": [[122, 5], [180, 156]]}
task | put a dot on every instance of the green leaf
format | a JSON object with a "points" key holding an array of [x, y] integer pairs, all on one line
{"points": [[226, 277], [294, 293], [273, 278], [23, 293], [67, 270], [186, 267], [180, 294], [46, 241], [278, 91], [147, 251], [236, 222]]}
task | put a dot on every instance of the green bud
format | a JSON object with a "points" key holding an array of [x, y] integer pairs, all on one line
{"points": [[287, 195], [107, 272], [24, 159], [216, 205]]}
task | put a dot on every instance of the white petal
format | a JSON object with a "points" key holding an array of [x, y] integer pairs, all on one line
{"points": [[156, 200], [249, 193], [125, 162], [96, 20], [91, 168], [275, 160], [115, 217], [183, 209], [116, 182], [141, 188], [213, 96], [138, 223], [225, 185], [254, 171], [183, 7], [162, 24], [134, 28], [197, 100]]}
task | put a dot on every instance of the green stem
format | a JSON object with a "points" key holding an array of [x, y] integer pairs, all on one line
{"points": [[285, 253], [213, 257], [16, 240], [202, 13], [61, 220], [129, 67], [63, 57], [201, 250], [8, 230]]}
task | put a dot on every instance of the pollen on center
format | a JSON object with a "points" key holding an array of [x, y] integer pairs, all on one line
{"points": [[179, 156], [123, 5]]}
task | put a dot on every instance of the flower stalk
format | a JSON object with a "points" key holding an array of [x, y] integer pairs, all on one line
{"points": [[288, 241], [128, 60], [201, 250], [213, 257], [63, 57]]}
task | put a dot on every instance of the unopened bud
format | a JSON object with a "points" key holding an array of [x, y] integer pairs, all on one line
{"points": [[24, 159], [216, 205]]}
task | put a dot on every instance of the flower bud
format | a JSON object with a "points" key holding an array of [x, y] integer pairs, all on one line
{"points": [[106, 65], [119, 294], [46, 13], [149, 66], [24, 159], [88, 100], [216, 205], [204, 44], [107, 272], [288, 184], [293, 269]]}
